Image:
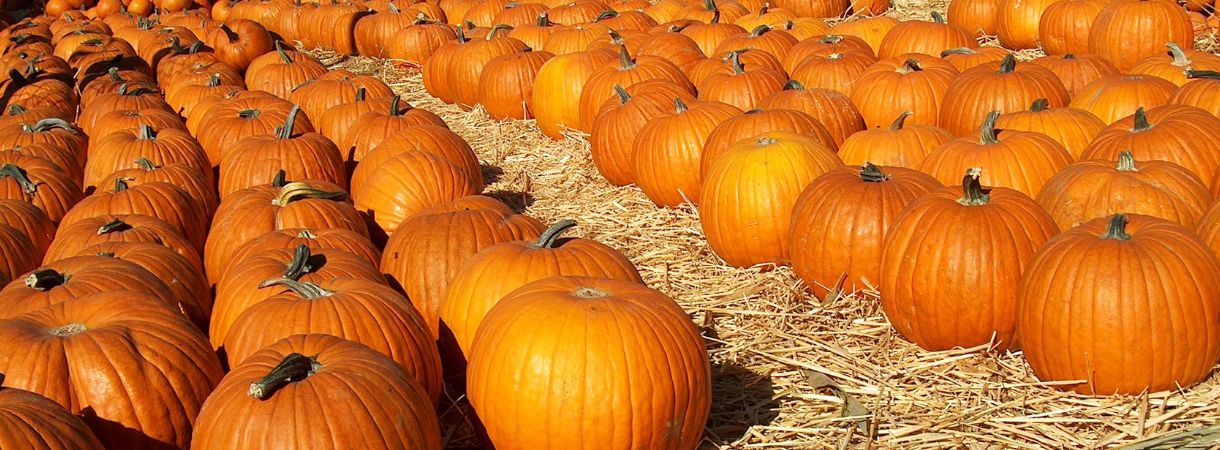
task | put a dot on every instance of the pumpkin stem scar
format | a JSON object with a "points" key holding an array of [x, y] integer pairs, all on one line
{"points": [[588, 292], [295, 367], [69, 329], [45, 279]]}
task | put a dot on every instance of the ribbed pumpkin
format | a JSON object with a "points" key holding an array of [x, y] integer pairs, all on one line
{"points": [[335, 88], [38, 182], [777, 42], [960, 291], [723, 64], [626, 72], [17, 253], [416, 43], [749, 192], [180, 273], [408, 183], [835, 71], [870, 29], [927, 37], [710, 35], [975, 16], [238, 42], [131, 119], [833, 109], [1184, 135], [431, 139], [316, 239], [667, 151], [900, 145], [101, 355], [839, 222], [620, 120], [557, 88], [390, 115], [900, 84], [281, 71], [119, 150], [301, 154], [1017, 22], [1064, 26], [743, 87], [1117, 96], [506, 86], [232, 121], [822, 46], [30, 222], [1174, 64], [158, 199], [1089, 190], [600, 334], [498, 270], [470, 59], [756, 122], [1073, 128], [70, 240], [339, 378], [966, 58], [190, 179], [436, 69], [1123, 268], [49, 130], [1017, 160], [337, 121], [1077, 71], [1127, 31], [1202, 91], [1005, 87], [29, 420]]}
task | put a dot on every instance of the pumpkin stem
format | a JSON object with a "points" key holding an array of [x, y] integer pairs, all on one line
{"points": [[987, 136], [114, 74], [872, 174], [69, 329], [589, 293], [1039, 105], [1118, 228], [18, 174], [1069, 56], [52, 123], [1141, 120], [461, 36], [735, 63], [120, 185], [910, 65], [280, 179], [305, 290], [214, 80], [901, 121], [760, 30], [285, 132], [831, 39], [973, 193], [146, 132], [249, 113], [1202, 74], [1009, 64], [1126, 161], [114, 225], [279, 49], [496, 29], [394, 8], [17, 110], [300, 263], [548, 238], [1179, 56], [793, 85], [607, 14], [957, 51], [544, 19], [679, 106], [936, 17], [361, 92], [715, 16], [625, 61], [295, 367], [394, 112], [299, 190], [45, 279], [145, 163], [623, 95]]}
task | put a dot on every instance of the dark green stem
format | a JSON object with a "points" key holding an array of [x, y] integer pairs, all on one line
{"points": [[1118, 228], [551, 235], [45, 279], [295, 367], [872, 174], [973, 193]]}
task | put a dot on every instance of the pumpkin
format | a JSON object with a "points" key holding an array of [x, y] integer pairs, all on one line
{"points": [[822, 46], [666, 151], [836, 71], [181, 275], [1005, 87], [125, 344], [643, 339], [1173, 65], [238, 42], [130, 119], [619, 120], [337, 120], [674, 47], [1018, 160], [625, 21], [1114, 97], [340, 377], [37, 88], [437, 68], [158, 199], [374, 32], [979, 17], [900, 145], [627, 72], [698, 73], [190, 179], [756, 122], [960, 292], [301, 154], [744, 88], [316, 239], [118, 150], [414, 44], [496, 271], [18, 253], [833, 109], [929, 38], [1017, 23], [195, 123], [1073, 128], [136, 228], [388, 116], [50, 130], [555, 98], [408, 183], [1064, 26], [239, 287], [839, 222], [574, 38], [1141, 26], [710, 35], [749, 191], [1077, 71], [1185, 135], [162, 42], [1124, 266], [966, 58], [1092, 189], [436, 140], [871, 30], [31, 420], [903, 83], [38, 182], [580, 11], [507, 83], [775, 41], [1202, 91], [766, 15], [335, 88], [471, 59], [16, 114], [30, 222], [67, 160], [282, 71], [126, 98]]}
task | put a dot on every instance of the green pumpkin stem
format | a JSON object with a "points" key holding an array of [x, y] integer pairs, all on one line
{"points": [[1179, 56], [50, 123], [300, 263], [760, 30], [544, 19], [625, 61], [361, 92], [16, 110], [1039, 105], [114, 74], [214, 80], [305, 290], [285, 132], [901, 121], [1194, 74], [1126, 161], [279, 49], [958, 51], [607, 14], [793, 85], [551, 235], [679, 106], [1141, 120], [295, 367], [735, 63], [146, 132], [987, 135], [973, 193], [394, 103], [45, 279], [298, 190], [120, 185], [1009, 64], [114, 225], [280, 179], [936, 17], [145, 163], [1117, 229], [872, 174], [19, 174], [623, 95], [249, 113], [307, 234]]}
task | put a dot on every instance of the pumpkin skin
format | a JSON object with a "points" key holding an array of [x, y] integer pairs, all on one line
{"points": [[282, 71], [975, 16], [1017, 23], [1203, 91], [230, 122], [743, 88], [470, 60], [117, 151], [900, 145], [1073, 128], [316, 239], [302, 155], [1005, 87], [756, 122], [71, 240], [432, 139], [667, 151], [772, 40], [962, 291], [1093, 189], [335, 88], [822, 46], [406, 184], [29, 420], [190, 179], [349, 377], [158, 199], [1121, 271], [30, 222], [1174, 64], [423, 256], [50, 130], [366, 312], [903, 83], [625, 73], [835, 71], [1114, 97], [927, 37], [557, 89], [389, 115], [38, 182], [833, 109], [1127, 31], [723, 65], [871, 30], [1184, 135], [1077, 71], [966, 58], [749, 191], [839, 223], [144, 345], [238, 42], [179, 273], [620, 120], [496, 271], [338, 120], [506, 86], [1064, 26], [17, 253], [1017, 160], [659, 344]]}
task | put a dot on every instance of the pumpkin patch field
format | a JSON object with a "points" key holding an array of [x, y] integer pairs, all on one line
{"points": [[609, 224]]}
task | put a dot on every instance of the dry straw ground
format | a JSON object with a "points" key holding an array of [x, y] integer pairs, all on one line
{"points": [[783, 361]]}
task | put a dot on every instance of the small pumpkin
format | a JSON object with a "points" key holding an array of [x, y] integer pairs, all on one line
{"points": [[927, 37], [1117, 96], [744, 88], [832, 108], [900, 84], [123, 228], [301, 154], [158, 199], [506, 86]]}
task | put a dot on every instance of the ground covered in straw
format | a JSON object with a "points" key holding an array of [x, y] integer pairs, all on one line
{"points": [[790, 370]]}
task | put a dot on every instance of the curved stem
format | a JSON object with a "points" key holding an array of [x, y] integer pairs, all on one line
{"points": [[872, 174], [280, 179], [735, 63], [910, 65], [760, 30], [679, 106], [279, 49], [1009, 64], [793, 85], [295, 367], [114, 225], [1179, 56], [1202, 74], [114, 74], [1117, 229], [214, 80], [496, 29], [544, 19], [548, 237], [394, 112], [987, 134], [306, 234], [45, 279], [936, 17], [623, 95], [1141, 120], [298, 190], [145, 164], [607, 14], [285, 132], [52, 123], [305, 290], [973, 193], [300, 263], [625, 61], [958, 51], [1039, 105], [146, 132], [901, 120], [1126, 161], [17, 110], [120, 185], [18, 174]]}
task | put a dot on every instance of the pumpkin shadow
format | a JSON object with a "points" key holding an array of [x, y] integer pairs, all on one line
{"points": [[491, 174], [741, 399], [517, 200], [117, 435]]}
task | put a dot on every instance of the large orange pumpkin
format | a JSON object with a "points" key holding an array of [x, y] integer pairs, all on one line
{"points": [[29, 420], [900, 145], [927, 37], [833, 109], [599, 335], [1127, 31], [903, 83], [301, 154], [1064, 26], [1018, 160], [71, 240], [620, 120], [1175, 64], [1113, 97], [627, 72], [755, 122], [1005, 86], [1184, 135], [1202, 91], [281, 71], [557, 89], [667, 151], [1017, 22], [1135, 280], [952, 261], [1077, 71], [1071, 127], [408, 183]]}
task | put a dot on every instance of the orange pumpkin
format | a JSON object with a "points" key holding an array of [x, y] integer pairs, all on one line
{"points": [[627, 72], [900, 84], [1073, 128], [1064, 26], [1202, 91], [1113, 97], [1018, 160], [1184, 135], [900, 145], [302, 155], [927, 37], [667, 151], [833, 109], [1127, 31], [1004, 86]]}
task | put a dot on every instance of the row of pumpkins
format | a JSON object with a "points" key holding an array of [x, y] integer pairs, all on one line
{"points": [[217, 243]]}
